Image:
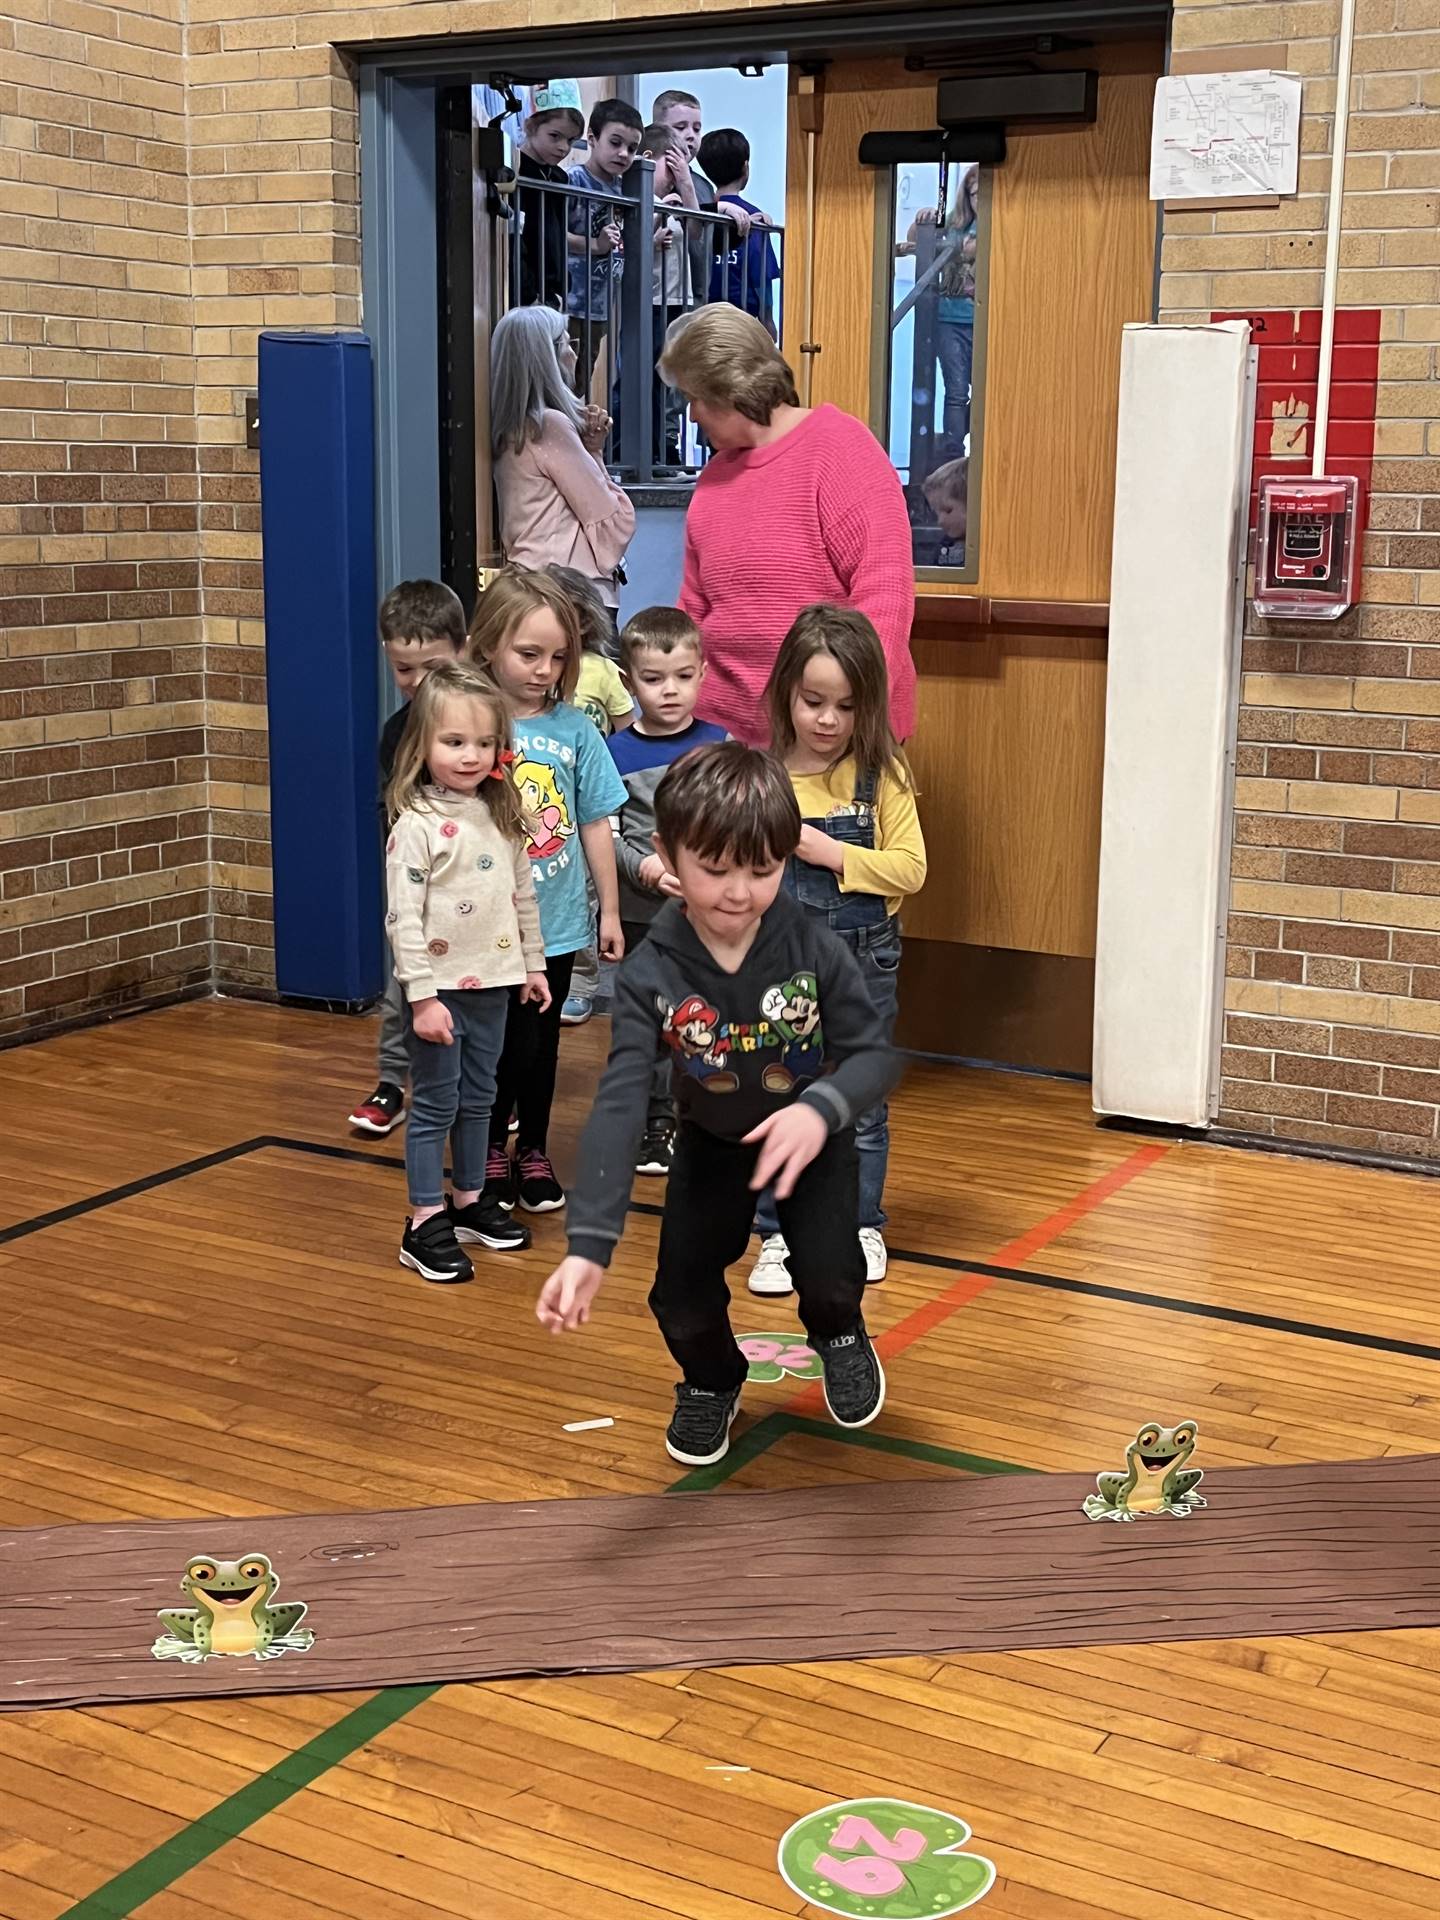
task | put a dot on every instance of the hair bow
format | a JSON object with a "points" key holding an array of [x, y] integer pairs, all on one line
{"points": [[505, 758]]}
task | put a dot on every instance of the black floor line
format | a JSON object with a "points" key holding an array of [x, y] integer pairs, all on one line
{"points": [[945, 1263], [58, 1215]]}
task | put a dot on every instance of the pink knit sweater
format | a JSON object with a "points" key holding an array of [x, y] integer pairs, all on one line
{"points": [[816, 515]]}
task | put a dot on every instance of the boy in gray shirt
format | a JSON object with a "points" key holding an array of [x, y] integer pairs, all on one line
{"points": [[663, 665]]}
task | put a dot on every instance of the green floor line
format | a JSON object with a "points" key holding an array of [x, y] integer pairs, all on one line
{"points": [[162, 1867], [165, 1864], [893, 1443]]}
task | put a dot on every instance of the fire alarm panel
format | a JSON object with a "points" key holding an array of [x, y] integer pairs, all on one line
{"points": [[1307, 556]]}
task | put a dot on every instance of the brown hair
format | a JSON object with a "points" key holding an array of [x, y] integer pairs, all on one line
{"points": [[419, 610], [658, 139], [725, 358], [853, 644], [728, 802], [510, 596], [671, 97], [459, 682], [661, 628], [948, 482]]}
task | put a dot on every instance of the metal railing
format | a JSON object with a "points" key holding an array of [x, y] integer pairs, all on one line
{"points": [[671, 260]]}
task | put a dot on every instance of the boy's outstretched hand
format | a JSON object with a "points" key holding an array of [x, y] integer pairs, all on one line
{"points": [[564, 1302], [790, 1140]]}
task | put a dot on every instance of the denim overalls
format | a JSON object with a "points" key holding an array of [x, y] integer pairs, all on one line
{"points": [[872, 934]]}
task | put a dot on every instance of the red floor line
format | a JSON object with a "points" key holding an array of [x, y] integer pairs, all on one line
{"points": [[969, 1286]]}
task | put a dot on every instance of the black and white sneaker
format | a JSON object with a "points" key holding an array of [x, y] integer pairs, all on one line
{"points": [[487, 1222], [432, 1251], [539, 1190], [657, 1150], [699, 1430], [854, 1378]]}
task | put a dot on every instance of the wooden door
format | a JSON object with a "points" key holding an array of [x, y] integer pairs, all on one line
{"points": [[1008, 749]]}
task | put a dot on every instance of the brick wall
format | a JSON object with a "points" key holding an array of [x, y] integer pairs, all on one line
{"points": [[103, 804], [1333, 1003]]}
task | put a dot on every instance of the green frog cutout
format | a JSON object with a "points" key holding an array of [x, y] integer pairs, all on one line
{"points": [[1156, 1479], [232, 1613]]}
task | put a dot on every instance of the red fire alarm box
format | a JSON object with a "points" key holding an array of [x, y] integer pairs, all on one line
{"points": [[1307, 554]]}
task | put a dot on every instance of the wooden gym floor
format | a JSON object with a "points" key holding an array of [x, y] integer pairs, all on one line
{"points": [[203, 1315]]}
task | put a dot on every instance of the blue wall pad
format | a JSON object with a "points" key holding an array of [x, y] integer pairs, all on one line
{"points": [[317, 517]]}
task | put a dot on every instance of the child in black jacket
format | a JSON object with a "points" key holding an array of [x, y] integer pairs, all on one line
{"points": [[774, 1051]]}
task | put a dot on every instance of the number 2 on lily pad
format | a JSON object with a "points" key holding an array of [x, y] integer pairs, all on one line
{"points": [[884, 1860], [772, 1355]]}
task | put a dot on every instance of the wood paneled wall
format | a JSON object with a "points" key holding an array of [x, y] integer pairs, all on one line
{"points": [[1009, 746]]}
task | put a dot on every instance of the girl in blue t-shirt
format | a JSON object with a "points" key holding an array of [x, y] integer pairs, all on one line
{"points": [[526, 634]]}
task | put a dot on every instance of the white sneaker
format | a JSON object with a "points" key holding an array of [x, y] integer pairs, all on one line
{"points": [[877, 1258], [770, 1273]]}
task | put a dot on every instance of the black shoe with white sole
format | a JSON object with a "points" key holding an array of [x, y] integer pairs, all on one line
{"points": [[657, 1150], [432, 1251], [854, 1378], [699, 1430], [487, 1222]]}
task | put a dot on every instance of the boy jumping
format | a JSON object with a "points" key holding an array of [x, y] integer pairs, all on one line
{"points": [[774, 1051]]}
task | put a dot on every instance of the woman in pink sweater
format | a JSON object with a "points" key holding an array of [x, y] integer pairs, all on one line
{"points": [[796, 505], [558, 505]]}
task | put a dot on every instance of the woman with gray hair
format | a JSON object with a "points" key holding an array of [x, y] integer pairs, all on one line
{"points": [[796, 505], [558, 505]]}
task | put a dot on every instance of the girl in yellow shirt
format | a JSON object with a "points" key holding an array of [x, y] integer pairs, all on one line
{"points": [[861, 854]]}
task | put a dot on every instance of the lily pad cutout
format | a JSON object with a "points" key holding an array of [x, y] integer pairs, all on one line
{"points": [[884, 1860], [772, 1355]]}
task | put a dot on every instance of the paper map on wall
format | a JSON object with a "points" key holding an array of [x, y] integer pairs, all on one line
{"points": [[1223, 135]]}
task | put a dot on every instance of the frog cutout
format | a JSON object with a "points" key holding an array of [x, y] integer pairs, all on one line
{"points": [[232, 1614], [1156, 1479]]}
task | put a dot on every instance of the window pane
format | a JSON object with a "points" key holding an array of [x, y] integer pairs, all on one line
{"points": [[935, 222]]}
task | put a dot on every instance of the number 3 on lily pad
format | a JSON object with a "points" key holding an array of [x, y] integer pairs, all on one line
{"points": [[884, 1860]]}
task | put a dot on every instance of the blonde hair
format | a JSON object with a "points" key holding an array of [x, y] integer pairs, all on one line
{"points": [[460, 682], [510, 596], [853, 644], [724, 357]]}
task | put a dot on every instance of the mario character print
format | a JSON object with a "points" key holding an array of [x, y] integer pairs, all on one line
{"points": [[693, 1030]]}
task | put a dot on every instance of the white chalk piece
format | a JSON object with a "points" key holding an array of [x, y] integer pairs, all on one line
{"points": [[586, 1426], [727, 1769]]}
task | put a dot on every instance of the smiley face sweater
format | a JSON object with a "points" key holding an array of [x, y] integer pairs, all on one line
{"points": [[461, 902], [794, 1022]]}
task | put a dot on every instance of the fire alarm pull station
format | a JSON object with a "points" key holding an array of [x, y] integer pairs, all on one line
{"points": [[1307, 557]]}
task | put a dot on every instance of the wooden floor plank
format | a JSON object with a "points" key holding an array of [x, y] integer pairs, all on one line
{"points": [[200, 1347]]}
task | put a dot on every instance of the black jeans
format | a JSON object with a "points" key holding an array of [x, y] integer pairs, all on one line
{"points": [[708, 1209], [525, 1077]]}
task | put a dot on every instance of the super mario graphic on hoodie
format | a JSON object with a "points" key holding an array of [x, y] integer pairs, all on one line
{"points": [[793, 1022]]}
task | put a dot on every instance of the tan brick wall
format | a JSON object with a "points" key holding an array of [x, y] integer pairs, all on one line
{"points": [[103, 802], [1333, 1023]]}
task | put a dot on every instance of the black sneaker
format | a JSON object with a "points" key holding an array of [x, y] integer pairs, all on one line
{"points": [[657, 1150], [382, 1111], [499, 1188], [854, 1378], [699, 1430], [488, 1222], [540, 1191], [432, 1251]]}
